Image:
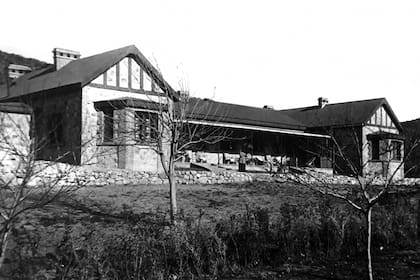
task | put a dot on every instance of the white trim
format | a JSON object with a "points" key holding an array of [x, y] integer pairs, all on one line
{"points": [[260, 128], [143, 110]]}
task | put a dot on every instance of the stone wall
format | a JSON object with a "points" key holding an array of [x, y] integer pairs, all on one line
{"points": [[91, 175], [94, 176], [14, 143]]}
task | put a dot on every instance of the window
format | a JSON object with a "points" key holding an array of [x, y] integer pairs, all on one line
{"points": [[146, 127], [375, 149], [108, 133], [111, 76], [396, 150], [55, 130]]}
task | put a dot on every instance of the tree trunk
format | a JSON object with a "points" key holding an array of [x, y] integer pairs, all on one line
{"points": [[172, 192], [369, 241], [4, 242]]}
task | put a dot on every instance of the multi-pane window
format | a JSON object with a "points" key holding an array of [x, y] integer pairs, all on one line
{"points": [[396, 150], [108, 129], [128, 75], [146, 127]]}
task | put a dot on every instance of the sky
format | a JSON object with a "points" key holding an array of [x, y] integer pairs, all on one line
{"points": [[280, 53]]}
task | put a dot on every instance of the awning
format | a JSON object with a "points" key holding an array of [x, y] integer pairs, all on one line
{"points": [[130, 103], [259, 128], [384, 136]]}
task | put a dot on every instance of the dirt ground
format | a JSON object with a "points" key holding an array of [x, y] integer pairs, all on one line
{"points": [[211, 201], [214, 202]]}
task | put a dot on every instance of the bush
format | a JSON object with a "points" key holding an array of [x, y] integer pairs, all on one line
{"points": [[136, 248]]}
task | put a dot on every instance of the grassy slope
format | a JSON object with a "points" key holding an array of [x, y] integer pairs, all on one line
{"points": [[216, 202]]}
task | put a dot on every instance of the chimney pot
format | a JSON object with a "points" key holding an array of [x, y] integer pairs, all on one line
{"points": [[15, 70], [322, 101], [268, 107], [63, 56]]}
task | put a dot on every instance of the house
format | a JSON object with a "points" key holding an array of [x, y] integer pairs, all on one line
{"points": [[367, 133], [15, 140], [81, 108], [71, 122], [412, 134], [258, 132]]}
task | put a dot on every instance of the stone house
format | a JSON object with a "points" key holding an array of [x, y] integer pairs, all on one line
{"points": [[84, 109], [412, 135], [367, 132], [257, 132], [79, 103]]}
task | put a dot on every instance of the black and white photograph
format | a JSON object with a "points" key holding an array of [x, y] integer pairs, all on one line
{"points": [[214, 140]]}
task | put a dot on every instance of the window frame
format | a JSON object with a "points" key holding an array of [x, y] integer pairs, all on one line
{"points": [[150, 135], [396, 150]]}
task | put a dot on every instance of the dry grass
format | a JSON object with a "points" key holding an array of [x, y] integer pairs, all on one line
{"points": [[211, 201]]}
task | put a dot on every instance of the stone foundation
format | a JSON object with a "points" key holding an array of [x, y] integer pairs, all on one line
{"points": [[93, 176], [89, 175]]}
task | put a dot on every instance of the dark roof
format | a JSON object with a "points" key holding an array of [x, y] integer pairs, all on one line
{"points": [[15, 107], [212, 111], [341, 114], [81, 71]]}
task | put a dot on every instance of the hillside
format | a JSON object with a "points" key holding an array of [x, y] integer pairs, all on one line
{"points": [[6, 58]]}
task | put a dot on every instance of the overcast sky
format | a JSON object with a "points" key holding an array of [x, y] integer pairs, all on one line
{"points": [[280, 53]]}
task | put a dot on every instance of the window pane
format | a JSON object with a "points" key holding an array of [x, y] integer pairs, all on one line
{"points": [[124, 73], [146, 127], [111, 76], [108, 125], [383, 118], [147, 82], [135, 75], [396, 150]]}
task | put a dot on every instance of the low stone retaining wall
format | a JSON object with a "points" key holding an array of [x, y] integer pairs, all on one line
{"points": [[205, 177], [86, 175]]}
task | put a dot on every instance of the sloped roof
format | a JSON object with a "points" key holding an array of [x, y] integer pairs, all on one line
{"points": [[81, 71], [341, 114], [209, 110]]}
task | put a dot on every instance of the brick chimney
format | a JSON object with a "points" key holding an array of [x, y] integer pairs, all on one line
{"points": [[15, 70], [322, 101], [63, 56]]}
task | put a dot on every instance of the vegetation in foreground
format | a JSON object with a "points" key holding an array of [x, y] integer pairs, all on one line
{"points": [[316, 238]]}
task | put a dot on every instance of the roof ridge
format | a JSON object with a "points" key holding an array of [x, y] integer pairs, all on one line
{"points": [[333, 104]]}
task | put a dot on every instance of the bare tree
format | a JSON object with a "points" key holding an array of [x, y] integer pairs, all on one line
{"points": [[170, 128], [371, 186], [23, 184]]}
